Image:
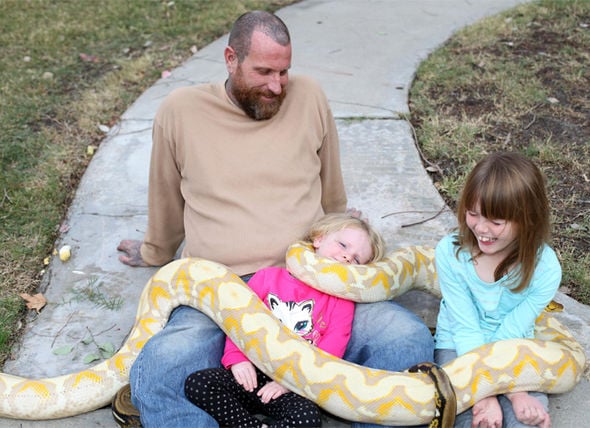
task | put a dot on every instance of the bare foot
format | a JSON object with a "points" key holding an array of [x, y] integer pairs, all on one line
{"points": [[529, 410]]}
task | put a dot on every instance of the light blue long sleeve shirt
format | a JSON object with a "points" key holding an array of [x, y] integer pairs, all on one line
{"points": [[474, 312]]}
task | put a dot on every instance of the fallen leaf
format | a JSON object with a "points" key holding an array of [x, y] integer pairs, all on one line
{"points": [[36, 302], [107, 350], [64, 350], [91, 358], [88, 58]]}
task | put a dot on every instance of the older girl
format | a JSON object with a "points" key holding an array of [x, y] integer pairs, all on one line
{"points": [[496, 276]]}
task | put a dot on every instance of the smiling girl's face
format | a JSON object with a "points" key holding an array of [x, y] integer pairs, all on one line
{"points": [[494, 236], [350, 245]]}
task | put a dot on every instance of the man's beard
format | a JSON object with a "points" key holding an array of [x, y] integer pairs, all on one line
{"points": [[250, 101]]}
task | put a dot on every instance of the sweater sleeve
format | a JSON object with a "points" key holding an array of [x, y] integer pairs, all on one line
{"points": [[519, 322], [165, 230], [232, 354], [457, 300], [333, 192]]}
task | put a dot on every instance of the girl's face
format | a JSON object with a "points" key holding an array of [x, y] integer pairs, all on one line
{"points": [[350, 245], [493, 236]]}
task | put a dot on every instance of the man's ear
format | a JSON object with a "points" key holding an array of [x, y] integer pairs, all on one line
{"points": [[231, 59]]}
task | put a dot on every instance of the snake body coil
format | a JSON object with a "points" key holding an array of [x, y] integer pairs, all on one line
{"points": [[552, 362]]}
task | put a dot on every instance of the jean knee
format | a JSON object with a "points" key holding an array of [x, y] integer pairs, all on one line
{"points": [[406, 342], [187, 343]]}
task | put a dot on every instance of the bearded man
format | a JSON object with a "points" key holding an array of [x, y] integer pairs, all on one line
{"points": [[239, 171]]}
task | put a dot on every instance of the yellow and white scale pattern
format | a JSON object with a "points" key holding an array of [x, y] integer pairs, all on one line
{"points": [[553, 362]]}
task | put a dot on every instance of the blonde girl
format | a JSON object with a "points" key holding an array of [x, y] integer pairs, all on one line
{"points": [[236, 392], [496, 274], [331, 224]]}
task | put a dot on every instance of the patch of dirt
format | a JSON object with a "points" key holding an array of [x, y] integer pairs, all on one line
{"points": [[563, 124]]}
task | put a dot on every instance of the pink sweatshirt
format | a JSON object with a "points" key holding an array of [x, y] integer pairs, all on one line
{"points": [[324, 320]]}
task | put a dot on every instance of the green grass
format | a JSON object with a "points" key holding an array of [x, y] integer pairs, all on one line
{"points": [[52, 101], [65, 68], [9, 314], [517, 81]]}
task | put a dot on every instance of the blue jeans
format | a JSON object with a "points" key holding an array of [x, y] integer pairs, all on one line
{"points": [[463, 420], [190, 341]]}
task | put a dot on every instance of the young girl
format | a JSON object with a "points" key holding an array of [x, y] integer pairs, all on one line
{"points": [[496, 276], [235, 393]]}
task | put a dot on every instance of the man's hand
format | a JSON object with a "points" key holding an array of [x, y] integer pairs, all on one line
{"points": [[487, 413], [354, 212], [270, 391], [528, 410], [245, 374], [133, 254], [357, 213]]}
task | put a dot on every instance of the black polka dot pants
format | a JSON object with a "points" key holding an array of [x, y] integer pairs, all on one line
{"points": [[216, 392]]}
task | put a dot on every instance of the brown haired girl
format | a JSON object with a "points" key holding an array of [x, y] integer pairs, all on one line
{"points": [[496, 275]]}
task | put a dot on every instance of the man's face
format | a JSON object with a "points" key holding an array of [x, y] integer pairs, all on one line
{"points": [[258, 84]]}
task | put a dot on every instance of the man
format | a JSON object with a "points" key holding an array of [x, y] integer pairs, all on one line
{"points": [[239, 171]]}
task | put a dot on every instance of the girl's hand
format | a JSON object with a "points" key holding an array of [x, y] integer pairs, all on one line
{"points": [[528, 410], [245, 374], [270, 391], [487, 413]]}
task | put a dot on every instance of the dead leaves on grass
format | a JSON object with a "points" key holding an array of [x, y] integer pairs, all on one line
{"points": [[36, 301]]}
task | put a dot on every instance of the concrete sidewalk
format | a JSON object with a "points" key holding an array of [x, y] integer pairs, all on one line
{"points": [[364, 53]]}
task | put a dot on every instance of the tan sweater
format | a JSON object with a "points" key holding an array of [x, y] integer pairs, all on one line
{"points": [[239, 191]]}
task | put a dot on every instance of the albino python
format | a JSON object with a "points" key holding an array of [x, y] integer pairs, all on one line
{"points": [[552, 362]]}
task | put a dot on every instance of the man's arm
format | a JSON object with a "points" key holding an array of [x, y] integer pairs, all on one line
{"points": [[165, 230], [333, 192]]}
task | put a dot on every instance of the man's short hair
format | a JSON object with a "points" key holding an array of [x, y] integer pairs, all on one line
{"points": [[240, 36]]}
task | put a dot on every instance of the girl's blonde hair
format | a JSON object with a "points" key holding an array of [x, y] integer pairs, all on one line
{"points": [[508, 186], [337, 221]]}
